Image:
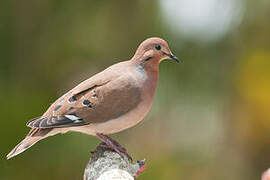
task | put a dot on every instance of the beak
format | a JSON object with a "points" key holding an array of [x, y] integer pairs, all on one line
{"points": [[171, 56]]}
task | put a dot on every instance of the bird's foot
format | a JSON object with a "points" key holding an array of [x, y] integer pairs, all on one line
{"points": [[114, 145]]}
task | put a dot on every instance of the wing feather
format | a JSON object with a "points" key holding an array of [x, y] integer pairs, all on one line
{"points": [[56, 122]]}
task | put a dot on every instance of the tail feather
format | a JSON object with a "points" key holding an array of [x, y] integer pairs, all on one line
{"points": [[23, 145], [32, 138]]}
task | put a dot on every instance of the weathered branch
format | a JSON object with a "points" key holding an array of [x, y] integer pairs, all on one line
{"points": [[105, 164]]}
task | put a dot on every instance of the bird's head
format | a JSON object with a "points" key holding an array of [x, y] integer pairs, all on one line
{"points": [[153, 50]]}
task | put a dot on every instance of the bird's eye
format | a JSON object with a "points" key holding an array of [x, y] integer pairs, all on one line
{"points": [[158, 47]]}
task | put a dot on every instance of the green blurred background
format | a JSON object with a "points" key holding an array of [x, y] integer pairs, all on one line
{"points": [[211, 114]]}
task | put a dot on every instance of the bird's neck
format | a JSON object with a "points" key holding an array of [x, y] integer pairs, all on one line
{"points": [[150, 84], [148, 74], [149, 63]]}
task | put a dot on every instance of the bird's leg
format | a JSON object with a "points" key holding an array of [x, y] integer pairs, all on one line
{"points": [[114, 145]]}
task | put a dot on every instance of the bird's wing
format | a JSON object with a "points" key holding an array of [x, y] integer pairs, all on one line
{"points": [[94, 100]]}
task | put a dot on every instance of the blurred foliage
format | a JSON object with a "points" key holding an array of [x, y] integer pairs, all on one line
{"points": [[210, 118]]}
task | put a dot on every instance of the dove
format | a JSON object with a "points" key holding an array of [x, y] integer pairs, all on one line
{"points": [[111, 101]]}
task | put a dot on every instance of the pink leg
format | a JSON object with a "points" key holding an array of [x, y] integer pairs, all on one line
{"points": [[114, 145]]}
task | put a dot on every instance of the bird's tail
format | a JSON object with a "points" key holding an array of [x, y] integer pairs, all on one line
{"points": [[32, 138]]}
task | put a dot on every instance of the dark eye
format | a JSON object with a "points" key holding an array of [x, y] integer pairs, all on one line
{"points": [[158, 47]]}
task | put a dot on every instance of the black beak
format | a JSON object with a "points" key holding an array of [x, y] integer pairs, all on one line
{"points": [[172, 57]]}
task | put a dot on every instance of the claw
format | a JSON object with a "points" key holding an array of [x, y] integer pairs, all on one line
{"points": [[114, 145]]}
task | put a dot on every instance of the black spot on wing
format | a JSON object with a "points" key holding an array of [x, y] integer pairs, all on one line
{"points": [[87, 103], [72, 99], [57, 107]]}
